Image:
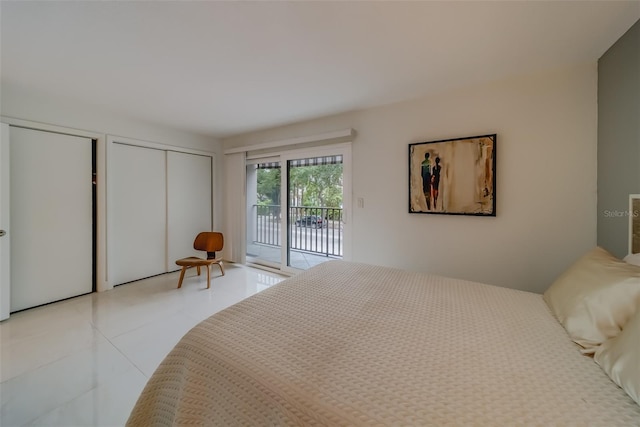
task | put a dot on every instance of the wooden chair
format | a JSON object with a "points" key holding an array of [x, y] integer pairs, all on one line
{"points": [[210, 242]]}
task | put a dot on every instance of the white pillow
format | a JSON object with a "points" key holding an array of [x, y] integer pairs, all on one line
{"points": [[595, 298], [620, 358], [632, 259]]}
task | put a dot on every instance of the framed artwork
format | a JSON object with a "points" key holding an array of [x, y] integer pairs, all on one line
{"points": [[453, 176], [634, 223]]}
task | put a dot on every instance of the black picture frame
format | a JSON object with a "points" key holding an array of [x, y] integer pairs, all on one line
{"points": [[453, 176]]}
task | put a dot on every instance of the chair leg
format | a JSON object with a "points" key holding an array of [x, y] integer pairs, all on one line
{"points": [[208, 276], [221, 268], [181, 276], [198, 268]]}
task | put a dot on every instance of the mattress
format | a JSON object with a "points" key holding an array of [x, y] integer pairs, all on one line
{"points": [[353, 344]]}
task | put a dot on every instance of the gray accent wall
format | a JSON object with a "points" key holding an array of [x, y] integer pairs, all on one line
{"points": [[618, 139]]}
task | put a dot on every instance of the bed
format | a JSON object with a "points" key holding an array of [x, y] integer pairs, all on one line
{"points": [[347, 344]]}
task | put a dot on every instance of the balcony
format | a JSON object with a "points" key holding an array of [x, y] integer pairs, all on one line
{"points": [[315, 234]]}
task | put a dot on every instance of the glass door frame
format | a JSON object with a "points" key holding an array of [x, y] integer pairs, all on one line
{"points": [[284, 156], [329, 150], [256, 160]]}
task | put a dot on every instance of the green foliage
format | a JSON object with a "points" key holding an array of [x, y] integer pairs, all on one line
{"points": [[319, 185], [269, 186]]}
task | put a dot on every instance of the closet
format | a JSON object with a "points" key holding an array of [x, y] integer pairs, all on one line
{"points": [[52, 210], [158, 200]]}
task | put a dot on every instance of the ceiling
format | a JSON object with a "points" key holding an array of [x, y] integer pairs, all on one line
{"points": [[224, 68]]}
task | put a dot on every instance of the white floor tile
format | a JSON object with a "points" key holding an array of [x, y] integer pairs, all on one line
{"points": [[36, 350], [109, 404], [38, 321], [146, 346], [114, 323], [36, 392]]}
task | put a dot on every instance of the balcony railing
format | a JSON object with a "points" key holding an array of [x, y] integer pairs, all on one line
{"points": [[315, 230]]}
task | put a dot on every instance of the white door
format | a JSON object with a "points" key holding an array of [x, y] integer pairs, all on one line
{"points": [[5, 286], [188, 203], [51, 217], [137, 213]]}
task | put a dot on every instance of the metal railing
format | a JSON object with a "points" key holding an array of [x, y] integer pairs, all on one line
{"points": [[315, 230], [267, 225]]}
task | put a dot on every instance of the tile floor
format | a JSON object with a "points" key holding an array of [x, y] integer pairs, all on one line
{"points": [[273, 254], [84, 361]]}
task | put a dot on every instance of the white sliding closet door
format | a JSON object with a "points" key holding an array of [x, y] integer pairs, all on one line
{"points": [[189, 203], [51, 217], [137, 213], [5, 247]]}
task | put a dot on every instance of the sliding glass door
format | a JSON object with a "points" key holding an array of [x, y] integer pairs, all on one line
{"points": [[315, 205], [264, 230], [296, 207]]}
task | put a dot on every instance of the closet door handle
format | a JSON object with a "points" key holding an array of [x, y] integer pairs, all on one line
{"points": [[2, 233]]}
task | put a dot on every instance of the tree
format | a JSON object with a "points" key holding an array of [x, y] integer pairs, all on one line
{"points": [[316, 187], [320, 185], [269, 186], [310, 186]]}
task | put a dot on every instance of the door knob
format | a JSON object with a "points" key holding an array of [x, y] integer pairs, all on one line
{"points": [[2, 233]]}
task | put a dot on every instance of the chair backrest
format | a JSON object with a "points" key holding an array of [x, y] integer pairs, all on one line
{"points": [[210, 242]]}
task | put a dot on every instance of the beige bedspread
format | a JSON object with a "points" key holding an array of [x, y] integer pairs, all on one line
{"points": [[351, 344]]}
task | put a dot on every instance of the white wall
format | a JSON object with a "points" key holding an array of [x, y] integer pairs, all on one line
{"points": [[21, 103], [64, 114], [546, 127]]}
